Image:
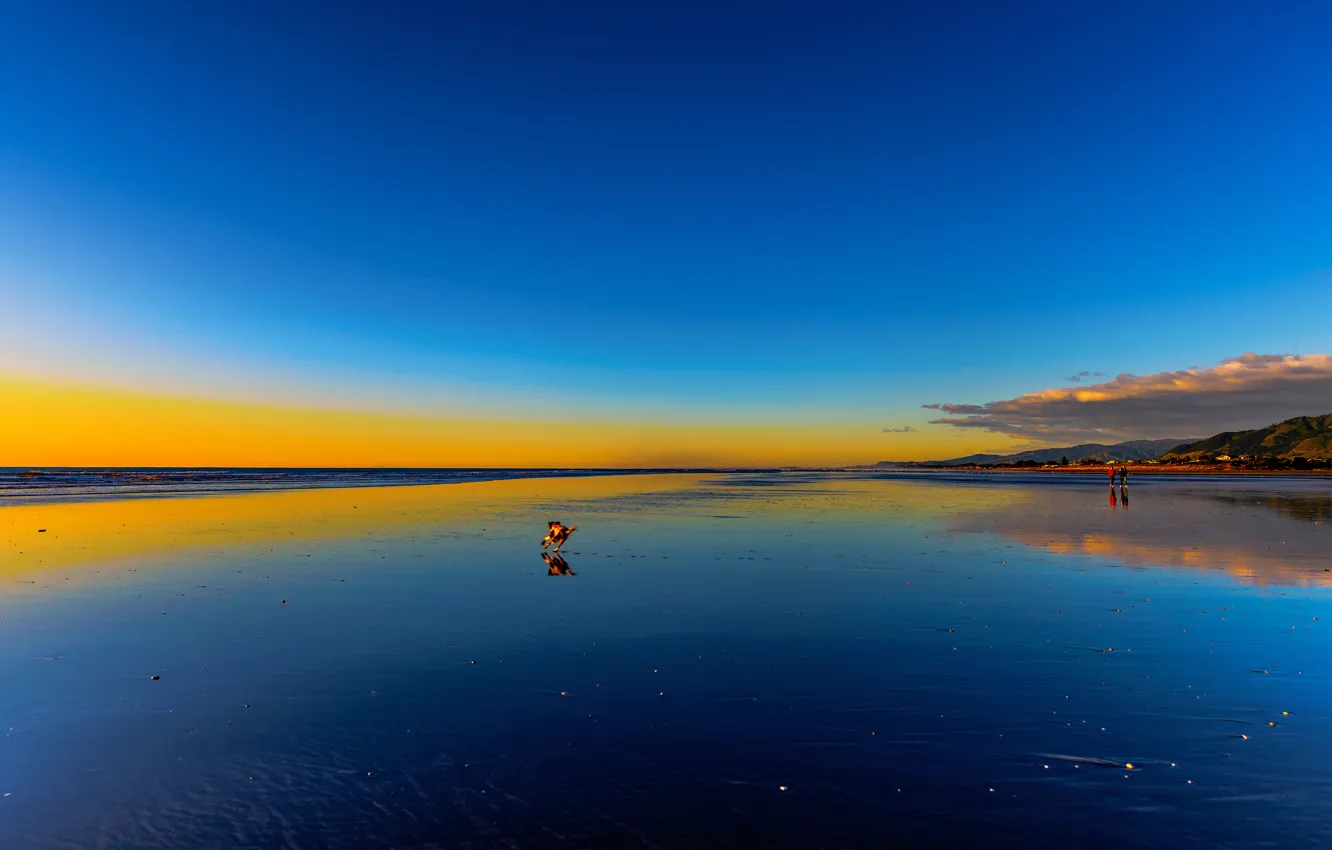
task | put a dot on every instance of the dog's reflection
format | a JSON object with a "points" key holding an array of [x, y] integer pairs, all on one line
{"points": [[558, 566]]}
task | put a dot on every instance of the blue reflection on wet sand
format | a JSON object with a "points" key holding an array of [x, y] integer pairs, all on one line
{"points": [[793, 661]]}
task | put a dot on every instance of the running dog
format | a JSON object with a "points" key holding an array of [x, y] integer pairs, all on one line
{"points": [[558, 534]]}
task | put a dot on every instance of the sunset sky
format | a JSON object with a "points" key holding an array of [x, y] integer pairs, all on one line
{"points": [[579, 234]]}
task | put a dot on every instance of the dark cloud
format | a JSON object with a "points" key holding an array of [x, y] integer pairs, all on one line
{"points": [[905, 429], [1249, 391], [957, 409], [1077, 379]]}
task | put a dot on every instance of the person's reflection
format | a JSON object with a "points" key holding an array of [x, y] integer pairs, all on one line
{"points": [[558, 566], [1123, 495], [1112, 498]]}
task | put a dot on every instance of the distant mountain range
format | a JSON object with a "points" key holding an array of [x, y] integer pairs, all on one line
{"points": [[1131, 450], [1304, 437], [1308, 437]]}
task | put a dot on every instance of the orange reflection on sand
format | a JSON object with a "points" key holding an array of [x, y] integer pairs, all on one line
{"points": [[37, 539], [1257, 541], [1247, 567]]}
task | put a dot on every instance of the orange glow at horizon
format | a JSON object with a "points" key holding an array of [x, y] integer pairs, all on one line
{"points": [[45, 423]]}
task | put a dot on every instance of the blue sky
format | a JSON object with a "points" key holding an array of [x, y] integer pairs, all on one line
{"points": [[837, 211]]}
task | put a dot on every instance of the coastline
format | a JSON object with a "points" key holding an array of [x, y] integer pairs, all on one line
{"points": [[44, 485], [1135, 470], [29, 486]]}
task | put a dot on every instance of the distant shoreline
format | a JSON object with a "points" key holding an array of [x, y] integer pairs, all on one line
{"points": [[29, 486], [39, 485], [1135, 469]]}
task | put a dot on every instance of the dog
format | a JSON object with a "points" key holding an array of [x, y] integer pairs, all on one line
{"points": [[558, 534]]}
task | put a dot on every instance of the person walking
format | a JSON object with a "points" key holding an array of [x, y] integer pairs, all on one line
{"points": [[1123, 476], [1111, 470]]}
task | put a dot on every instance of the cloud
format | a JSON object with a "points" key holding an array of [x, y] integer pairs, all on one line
{"points": [[1077, 379], [905, 429], [1249, 391]]}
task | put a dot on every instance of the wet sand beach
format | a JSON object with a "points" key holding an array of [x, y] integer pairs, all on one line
{"points": [[781, 660]]}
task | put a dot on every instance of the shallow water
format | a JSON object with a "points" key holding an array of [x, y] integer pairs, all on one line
{"points": [[21, 485], [792, 660]]}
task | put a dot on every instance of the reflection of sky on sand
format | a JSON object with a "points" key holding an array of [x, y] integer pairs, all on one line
{"points": [[403, 664], [1269, 532], [1262, 532], [41, 539]]}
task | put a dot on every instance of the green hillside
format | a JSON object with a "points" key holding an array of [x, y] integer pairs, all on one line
{"points": [[1307, 437]]}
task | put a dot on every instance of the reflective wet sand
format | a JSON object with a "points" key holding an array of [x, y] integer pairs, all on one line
{"points": [[713, 661]]}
